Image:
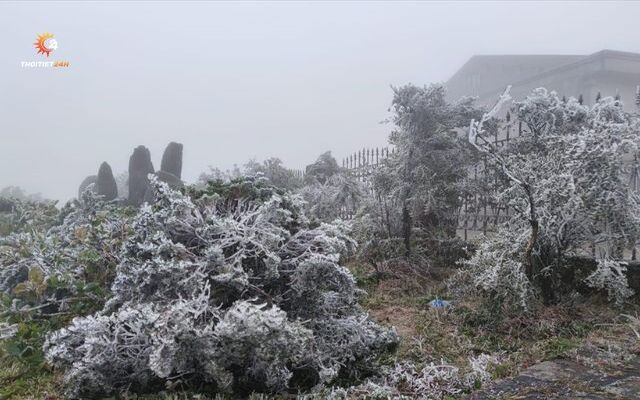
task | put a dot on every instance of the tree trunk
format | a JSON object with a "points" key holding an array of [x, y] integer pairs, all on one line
{"points": [[533, 221], [529, 251], [406, 228]]}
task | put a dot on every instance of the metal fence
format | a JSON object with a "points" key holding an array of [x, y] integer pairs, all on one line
{"points": [[478, 214], [363, 162]]}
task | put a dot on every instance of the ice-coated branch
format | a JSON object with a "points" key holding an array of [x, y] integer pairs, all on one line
{"points": [[213, 289]]}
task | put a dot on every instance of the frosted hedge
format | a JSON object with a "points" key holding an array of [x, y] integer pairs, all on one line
{"points": [[226, 289]]}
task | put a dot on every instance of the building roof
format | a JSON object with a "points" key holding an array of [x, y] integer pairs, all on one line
{"points": [[486, 76]]}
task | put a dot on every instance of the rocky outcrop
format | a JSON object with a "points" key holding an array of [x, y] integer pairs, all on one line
{"points": [[570, 379], [89, 180], [172, 160], [106, 184], [173, 181], [140, 166]]}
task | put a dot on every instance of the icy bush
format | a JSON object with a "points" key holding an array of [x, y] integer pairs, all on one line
{"points": [[406, 380], [21, 215], [101, 351], [226, 287], [566, 181], [334, 197], [77, 245], [7, 331], [494, 271], [56, 264], [610, 275]]}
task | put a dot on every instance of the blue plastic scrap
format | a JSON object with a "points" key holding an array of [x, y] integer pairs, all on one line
{"points": [[439, 303]]}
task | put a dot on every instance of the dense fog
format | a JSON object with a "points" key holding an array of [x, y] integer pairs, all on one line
{"points": [[234, 82]]}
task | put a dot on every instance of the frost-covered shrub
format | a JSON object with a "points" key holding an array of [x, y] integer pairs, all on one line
{"points": [[406, 380], [494, 271], [610, 275], [22, 215], [262, 343], [101, 351], [226, 287], [337, 196], [57, 264], [272, 169], [76, 244], [566, 181]]}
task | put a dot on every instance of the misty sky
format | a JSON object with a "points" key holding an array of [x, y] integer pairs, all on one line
{"points": [[235, 81]]}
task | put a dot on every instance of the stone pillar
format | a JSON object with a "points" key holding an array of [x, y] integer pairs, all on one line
{"points": [[140, 166], [106, 184], [172, 160]]}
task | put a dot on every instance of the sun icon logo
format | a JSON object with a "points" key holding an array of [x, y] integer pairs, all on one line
{"points": [[46, 44]]}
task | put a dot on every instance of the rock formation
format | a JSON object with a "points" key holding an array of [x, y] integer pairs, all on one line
{"points": [[91, 179], [140, 166], [106, 184], [172, 180], [172, 159]]}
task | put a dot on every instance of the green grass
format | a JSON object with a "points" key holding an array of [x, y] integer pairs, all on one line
{"points": [[556, 347], [21, 381]]}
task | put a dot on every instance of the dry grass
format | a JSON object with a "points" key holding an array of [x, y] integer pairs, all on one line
{"points": [[576, 326]]}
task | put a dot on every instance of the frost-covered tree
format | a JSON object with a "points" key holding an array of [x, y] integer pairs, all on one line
{"points": [[228, 289], [427, 171], [566, 178], [274, 170], [339, 195], [322, 169], [217, 174]]}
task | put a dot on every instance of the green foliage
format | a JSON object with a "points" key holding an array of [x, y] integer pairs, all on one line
{"points": [[19, 215], [556, 347], [233, 195], [245, 188], [62, 263], [19, 381]]}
